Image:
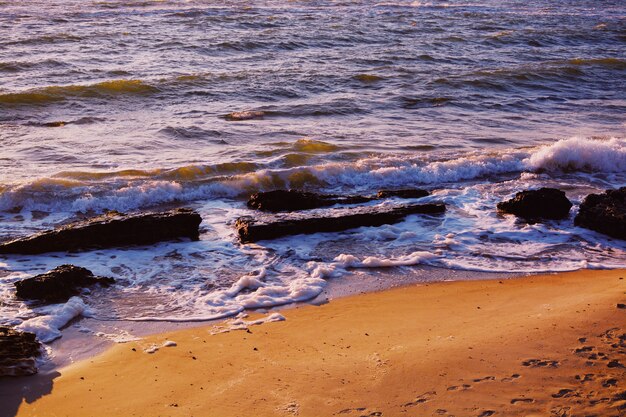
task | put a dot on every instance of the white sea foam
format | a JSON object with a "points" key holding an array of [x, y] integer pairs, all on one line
{"points": [[120, 336], [48, 326], [342, 262], [247, 292]]}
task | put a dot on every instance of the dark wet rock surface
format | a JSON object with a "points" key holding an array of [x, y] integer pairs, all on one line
{"points": [[18, 352], [294, 200], [604, 213], [544, 203], [252, 229], [110, 230], [406, 193], [59, 284]]}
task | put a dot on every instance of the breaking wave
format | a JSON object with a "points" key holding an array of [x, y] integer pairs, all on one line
{"points": [[135, 189], [579, 154]]}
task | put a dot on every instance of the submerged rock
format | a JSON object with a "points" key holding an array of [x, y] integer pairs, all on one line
{"points": [[18, 352], [59, 284], [544, 203], [604, 213], [293, 200], [110, 230], [244, 115], [254, 229]]}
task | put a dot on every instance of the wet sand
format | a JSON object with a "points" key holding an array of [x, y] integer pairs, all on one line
{"points": [[548, 345]]}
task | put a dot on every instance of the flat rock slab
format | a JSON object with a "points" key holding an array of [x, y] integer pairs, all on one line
{"points": [[18, 352], [110, 230], [544, 203], [294, 200], [604, 213], [252, 229], [59, 284]]}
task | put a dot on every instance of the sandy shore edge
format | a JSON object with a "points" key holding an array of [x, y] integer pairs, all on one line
{"points": [[549, 345]]}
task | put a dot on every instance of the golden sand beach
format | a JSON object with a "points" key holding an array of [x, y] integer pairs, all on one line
{"points": [[546, 345]]}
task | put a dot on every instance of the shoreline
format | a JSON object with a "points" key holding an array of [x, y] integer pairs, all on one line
{"points": [[76, 345], [459, 351]]}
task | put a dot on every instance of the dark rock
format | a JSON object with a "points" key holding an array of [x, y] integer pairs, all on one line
{"points": [[544, 203], [409, 193], [59, 284], [18, 352], [604, 213], [293, 200], [110, 230], [253, 230]]}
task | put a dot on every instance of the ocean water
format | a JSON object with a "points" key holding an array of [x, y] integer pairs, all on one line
{"points": [[147, 105]]}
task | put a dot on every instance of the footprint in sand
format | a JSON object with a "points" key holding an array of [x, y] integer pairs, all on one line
{"points": [[585, 378], [600, 401], [566, 393], [292, 408], [611, 382], [522, 400], [487, 378], [584, 349], [511, 378], [459, 387], [427, 396], [350, 410], [613, 338], [560, 412], [615, 364], [535, 363], [362, 411]]}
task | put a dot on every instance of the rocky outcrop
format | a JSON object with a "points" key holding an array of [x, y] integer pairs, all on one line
{"points": [[254, 229], [293, 200], [18, 352], [604, 213], [110, 230], [544, 203], [406, 193], [59, 284]]}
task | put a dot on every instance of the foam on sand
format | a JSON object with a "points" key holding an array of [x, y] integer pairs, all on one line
{"points": [[154, 347], [239, 322]]}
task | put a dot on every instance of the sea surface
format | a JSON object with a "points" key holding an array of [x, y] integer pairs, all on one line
{"points": [[149, 105]]}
